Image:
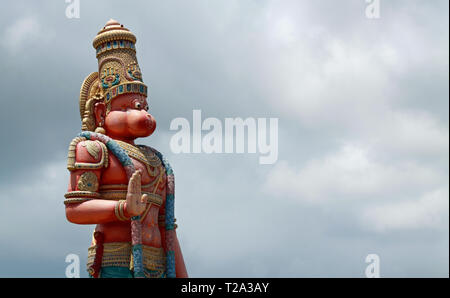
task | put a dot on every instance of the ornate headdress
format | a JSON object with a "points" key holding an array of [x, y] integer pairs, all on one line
{"points": [[118, 71]]}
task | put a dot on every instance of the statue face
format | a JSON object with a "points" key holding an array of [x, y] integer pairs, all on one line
{"points": [[129, 118]]}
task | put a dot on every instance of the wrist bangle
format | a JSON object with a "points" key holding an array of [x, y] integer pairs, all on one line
{"points": [[119, 210], [122, 210]]}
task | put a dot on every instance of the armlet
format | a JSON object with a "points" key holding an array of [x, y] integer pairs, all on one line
{"points": [[74, 197], [97, 150]]}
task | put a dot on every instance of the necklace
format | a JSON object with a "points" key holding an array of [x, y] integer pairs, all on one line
{"points": [[140, 153]]}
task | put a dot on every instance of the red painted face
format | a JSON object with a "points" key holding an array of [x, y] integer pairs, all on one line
{"points": [[128, 118]]}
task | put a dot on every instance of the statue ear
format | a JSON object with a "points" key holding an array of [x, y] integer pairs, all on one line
{"points": [[100, 113]]}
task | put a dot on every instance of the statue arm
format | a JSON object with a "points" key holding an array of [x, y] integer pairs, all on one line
{"points": [[94, 211], [83, 202]]}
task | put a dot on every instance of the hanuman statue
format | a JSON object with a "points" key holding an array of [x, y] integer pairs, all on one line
{"points": [[127, 190]]}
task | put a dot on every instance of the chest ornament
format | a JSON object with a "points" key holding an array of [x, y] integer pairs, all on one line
{"points": [[144, 155]]}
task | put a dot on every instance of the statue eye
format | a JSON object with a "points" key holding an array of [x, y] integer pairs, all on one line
{"points": [[138, 105], [146, 108]]}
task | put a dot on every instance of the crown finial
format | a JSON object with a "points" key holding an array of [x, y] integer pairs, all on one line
{"points": [[113, 31], [112, 23]]}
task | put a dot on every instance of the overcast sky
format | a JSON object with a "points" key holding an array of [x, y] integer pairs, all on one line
{"points": [[363, 108]]}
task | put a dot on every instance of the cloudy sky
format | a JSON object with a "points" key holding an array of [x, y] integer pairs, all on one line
{"points": [[363, 109]]}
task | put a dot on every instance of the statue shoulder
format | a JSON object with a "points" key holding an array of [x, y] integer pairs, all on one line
{"points": [[86, 154]]}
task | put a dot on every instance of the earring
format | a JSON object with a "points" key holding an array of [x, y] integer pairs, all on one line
{"points": [[100, 129]]}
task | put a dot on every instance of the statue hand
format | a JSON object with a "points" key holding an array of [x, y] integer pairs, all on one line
{"points": [[136, 203]]}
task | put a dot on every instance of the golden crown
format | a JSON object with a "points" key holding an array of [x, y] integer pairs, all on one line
{"points": [[118, 71]]}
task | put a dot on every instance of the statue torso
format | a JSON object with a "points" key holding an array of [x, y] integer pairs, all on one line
{"points": [[113, 184]]}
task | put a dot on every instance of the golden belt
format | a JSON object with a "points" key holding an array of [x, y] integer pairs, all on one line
{"points": [[119, 254]]}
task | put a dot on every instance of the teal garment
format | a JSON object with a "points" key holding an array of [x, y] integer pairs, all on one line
{"points": [[115, 272], [123, 272]]}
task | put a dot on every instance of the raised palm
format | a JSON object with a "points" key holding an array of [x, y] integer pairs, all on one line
{"points": [[136, 202]]}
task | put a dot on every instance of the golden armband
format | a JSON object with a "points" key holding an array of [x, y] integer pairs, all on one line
{"points": [[74, 197]]}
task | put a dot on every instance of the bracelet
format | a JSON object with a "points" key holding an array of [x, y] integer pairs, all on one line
{"points": [[122, 209], [119, 210]]}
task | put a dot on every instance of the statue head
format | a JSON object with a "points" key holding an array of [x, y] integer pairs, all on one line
{"points": [[113, 101]]}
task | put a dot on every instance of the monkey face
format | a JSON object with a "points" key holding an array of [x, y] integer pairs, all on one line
{"points": [[129, 117]]}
